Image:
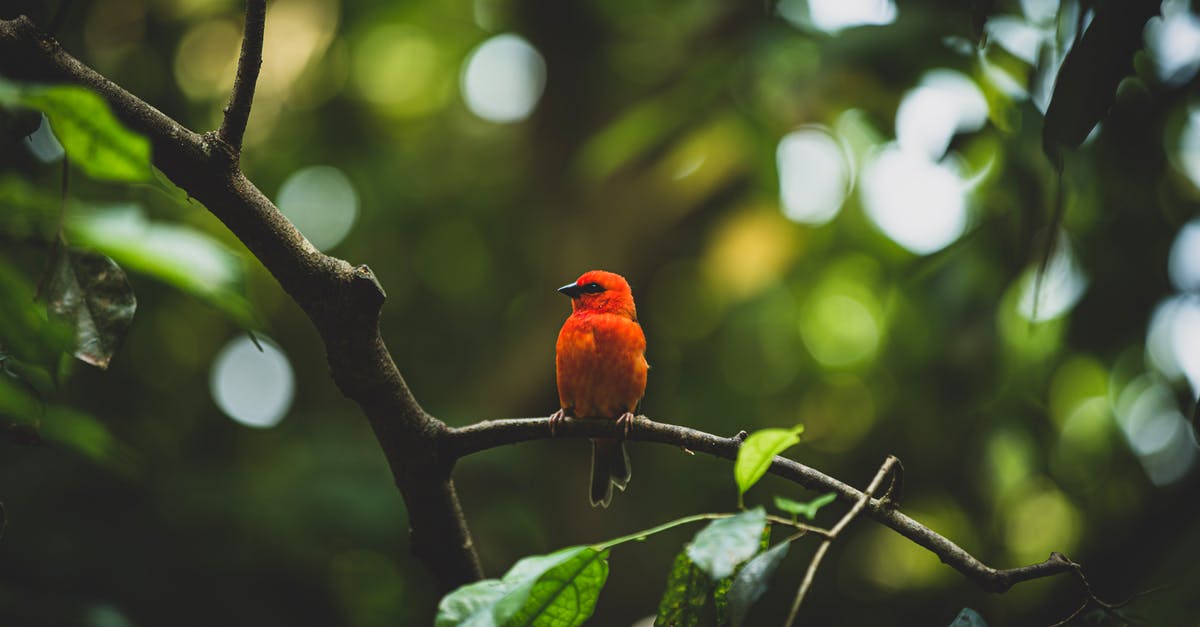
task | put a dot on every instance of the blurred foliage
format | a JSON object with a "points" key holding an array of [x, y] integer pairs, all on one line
{"points": [[655, 150]]}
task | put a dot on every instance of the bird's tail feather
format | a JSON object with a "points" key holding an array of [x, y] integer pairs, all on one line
{"points": [[610, 467]]}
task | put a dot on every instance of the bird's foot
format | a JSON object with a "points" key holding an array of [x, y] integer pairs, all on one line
{"points": [[557, 418], [625, 421], [687, 450]]}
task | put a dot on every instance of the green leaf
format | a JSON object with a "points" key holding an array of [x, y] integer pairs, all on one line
{"points": [[756, 453], [92, 136], [718, 548], [27, 212], [556, 589], [721, 590], [188, 259], [809, 509], [90, 293], [1086, 86], [968, 618], [70, 428], [751, 582], [565, 596], [683, 601], [25, 332]]}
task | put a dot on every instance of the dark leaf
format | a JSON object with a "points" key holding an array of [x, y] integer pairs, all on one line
{"points": [[91, 293], [1087, 82], [751, 582], [721, 590], [683, 601]]}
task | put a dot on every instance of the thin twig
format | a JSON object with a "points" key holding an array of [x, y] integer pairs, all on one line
{"points": [[1093, 598], [237, 112], [884, 470]]}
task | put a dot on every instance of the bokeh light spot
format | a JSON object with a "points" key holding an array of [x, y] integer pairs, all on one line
{"points": [[814, 175], [253, 387], [1060, 287], [321, 202], [1173, 40], [1183, 265], [748, 252], [206, 61], [503, 79], [841, 321], [944, 104], [1173, 339], [832, 16], [1040, 522], [398, 68], [919, 204], [1155, 429]]}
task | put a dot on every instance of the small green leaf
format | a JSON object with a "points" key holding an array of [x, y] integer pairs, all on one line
{"points": [[90, 293], [92, 136], [968, 618], [751, 582], [188, 259], [683, 601], [756, 453], [718, 548], [809, 509], [556, 589]]}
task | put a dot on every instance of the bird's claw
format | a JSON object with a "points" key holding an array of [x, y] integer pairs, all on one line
{"points": [[625, 421], [557, 418]]}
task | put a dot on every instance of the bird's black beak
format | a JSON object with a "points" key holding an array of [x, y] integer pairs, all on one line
{"points": [[571, 289]]}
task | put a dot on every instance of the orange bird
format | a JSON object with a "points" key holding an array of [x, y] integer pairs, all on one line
{"points": [[601, 366]]}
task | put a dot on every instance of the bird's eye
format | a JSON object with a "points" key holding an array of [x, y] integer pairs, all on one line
{"points": [[593, 288]]}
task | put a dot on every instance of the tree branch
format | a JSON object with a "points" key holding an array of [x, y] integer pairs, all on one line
{"points": [[342, 301], [237, 112], [457, 443], [888, 464]]}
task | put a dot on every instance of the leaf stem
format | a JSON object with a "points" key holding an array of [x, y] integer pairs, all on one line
{"points": [[641, 535]]}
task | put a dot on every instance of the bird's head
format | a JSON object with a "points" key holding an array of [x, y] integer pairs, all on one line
{"points": [[601, 292]]}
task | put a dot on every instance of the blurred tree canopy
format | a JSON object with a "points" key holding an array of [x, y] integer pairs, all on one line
{"points": [[832, 213]]}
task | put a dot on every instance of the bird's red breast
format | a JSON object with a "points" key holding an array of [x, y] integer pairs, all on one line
{"points": [[601, 350]]}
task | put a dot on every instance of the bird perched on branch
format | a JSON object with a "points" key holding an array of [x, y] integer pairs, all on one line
{"points": [[601, 367]]}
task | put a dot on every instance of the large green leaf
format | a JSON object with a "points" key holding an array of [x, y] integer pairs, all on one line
{"points": [[756, 453], [90, 292], [683, 601], [92, 136], [556, 589], [565, 596], [179, 255], [751, 582], [719, 547]]}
